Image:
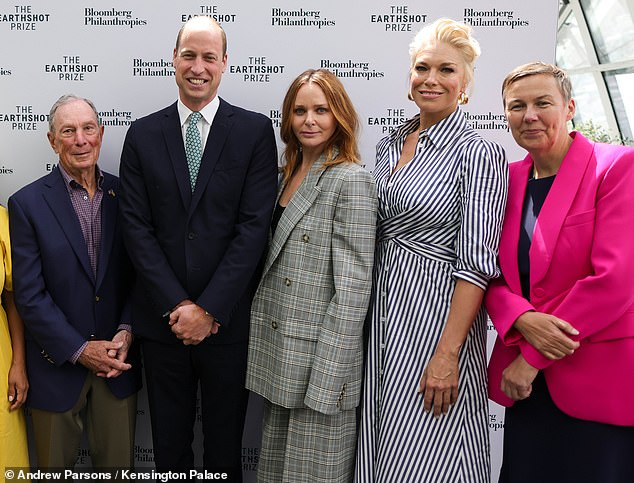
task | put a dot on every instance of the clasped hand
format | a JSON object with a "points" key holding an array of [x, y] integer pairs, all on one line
{"points": [[517, 379], [548, 334], [191, 324], [106, 358]]}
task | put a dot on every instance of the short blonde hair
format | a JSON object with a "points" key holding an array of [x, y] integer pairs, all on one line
{"points": [[450, 32]]}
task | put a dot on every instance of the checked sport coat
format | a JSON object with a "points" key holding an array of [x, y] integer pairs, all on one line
{"points": [[305, 346]]}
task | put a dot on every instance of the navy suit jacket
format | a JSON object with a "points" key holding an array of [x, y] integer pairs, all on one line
{"points": [[57, 295], [204, 246]]}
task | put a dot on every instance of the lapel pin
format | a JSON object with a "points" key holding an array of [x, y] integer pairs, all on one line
{"points": [[111, 193]]}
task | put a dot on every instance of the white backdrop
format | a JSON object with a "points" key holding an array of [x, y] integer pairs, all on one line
{"points": [[118, 53]]}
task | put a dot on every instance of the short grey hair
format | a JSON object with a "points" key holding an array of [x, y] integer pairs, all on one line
{"points": [[539, 68], [66, 99]]}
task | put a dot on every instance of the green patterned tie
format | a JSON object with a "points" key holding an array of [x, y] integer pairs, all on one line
{"points": [[193, 147]]}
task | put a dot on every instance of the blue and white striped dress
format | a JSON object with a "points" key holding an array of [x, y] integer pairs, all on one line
{"points": [[440, 218]]}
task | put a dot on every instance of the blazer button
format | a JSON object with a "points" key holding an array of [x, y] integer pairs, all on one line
{"points": [[305, 237], [287, 282], [274, 324], [191, 235], [539, 292], [97, 299]]}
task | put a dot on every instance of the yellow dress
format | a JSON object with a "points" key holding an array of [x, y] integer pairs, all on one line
{"points": [[13, 446]]}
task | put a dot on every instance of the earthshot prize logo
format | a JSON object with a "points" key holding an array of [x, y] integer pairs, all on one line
{"points": [[250, 458], [212, 11], [22, 17], [389, 121], [256, 70], [398, 18], [23, 119], [71, 69]]}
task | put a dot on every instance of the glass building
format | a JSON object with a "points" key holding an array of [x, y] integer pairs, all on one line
{"points": [[595, 45]]}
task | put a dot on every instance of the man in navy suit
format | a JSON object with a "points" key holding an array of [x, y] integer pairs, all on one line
{"points": [[72, 279], [196, 229]]}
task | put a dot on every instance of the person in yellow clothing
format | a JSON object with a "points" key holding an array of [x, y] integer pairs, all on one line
{"points": [[13, 380]]}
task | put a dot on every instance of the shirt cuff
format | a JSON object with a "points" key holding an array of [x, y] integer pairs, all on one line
{"points": [[78, 352]]}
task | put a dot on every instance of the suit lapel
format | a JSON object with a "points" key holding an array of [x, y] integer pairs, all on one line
{"points": [[218, 134], [557, 205], [297, 207], [509, 240], [176, 149], [58, 200], [108, 222]]}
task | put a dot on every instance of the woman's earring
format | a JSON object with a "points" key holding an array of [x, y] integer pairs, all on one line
{"points": [[463, 98]]}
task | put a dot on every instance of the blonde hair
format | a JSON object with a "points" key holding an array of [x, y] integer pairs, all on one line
{"points": [[450, 32], [343, 140]]}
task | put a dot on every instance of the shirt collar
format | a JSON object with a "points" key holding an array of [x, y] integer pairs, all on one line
{"points": [[208, 112], [71, 183], [440, 133]]}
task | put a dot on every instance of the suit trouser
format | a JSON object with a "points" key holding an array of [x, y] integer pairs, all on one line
{"points": [[173, 373], [302, 445], [110, 425]]}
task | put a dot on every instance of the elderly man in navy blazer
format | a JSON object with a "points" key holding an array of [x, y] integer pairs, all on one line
{"points": [[72, 279], [198, 182]]}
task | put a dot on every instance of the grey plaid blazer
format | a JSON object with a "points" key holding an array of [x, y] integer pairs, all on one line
{"points": [[305, 345]]}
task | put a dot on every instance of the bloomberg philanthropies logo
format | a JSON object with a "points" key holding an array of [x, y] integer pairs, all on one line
{"points": [[487, 121], [493, 18], [351, 69], [116, 118], [152, 68], [299, 18], [111, 17]]}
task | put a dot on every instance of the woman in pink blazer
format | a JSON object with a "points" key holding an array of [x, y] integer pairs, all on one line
{"points": [[563, 362]]}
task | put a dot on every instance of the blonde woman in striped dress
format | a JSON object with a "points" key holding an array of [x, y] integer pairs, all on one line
{"points": [[442, 193]]}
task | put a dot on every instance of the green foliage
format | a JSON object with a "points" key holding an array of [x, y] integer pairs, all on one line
{"points": [[600, 134]]}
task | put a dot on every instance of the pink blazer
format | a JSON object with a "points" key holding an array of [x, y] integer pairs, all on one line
{"points": [[582, 271]]}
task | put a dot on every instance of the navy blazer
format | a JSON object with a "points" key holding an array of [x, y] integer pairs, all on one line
{"points": [[56, 293], [203, 246]]}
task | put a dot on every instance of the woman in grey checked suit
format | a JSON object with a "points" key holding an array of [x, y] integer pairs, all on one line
{"points": [[305, 347]]}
